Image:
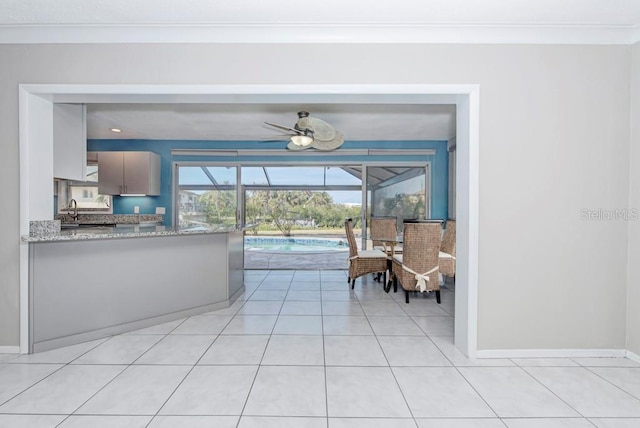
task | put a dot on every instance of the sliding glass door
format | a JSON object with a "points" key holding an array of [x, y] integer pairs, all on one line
{"points": [[288, 199], [310, 200], [398, 191]]}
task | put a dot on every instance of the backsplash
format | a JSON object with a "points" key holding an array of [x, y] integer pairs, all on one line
{"points": [[111, 218]]}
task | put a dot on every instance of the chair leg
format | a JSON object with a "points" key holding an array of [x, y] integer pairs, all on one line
{"points": [[384, 277], [353, 283], [395, 284], [406, 296], [438, 296], [348, 279]]}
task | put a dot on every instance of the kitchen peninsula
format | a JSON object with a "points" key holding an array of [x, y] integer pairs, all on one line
{"points": [[91, 282]]}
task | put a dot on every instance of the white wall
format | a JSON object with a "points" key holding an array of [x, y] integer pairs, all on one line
{"points": [[633, 293], [554, 140]]}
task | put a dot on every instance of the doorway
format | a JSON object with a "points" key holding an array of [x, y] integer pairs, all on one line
{"points": [[36, 153]]}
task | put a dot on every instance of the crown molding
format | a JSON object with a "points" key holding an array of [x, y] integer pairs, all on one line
{"points": [[320, 33]]}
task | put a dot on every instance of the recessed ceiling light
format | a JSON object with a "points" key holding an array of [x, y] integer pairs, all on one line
{"points": [[115, 130]]}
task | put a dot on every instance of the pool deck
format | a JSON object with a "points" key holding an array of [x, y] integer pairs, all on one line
{"points": [[296, 260], [270, 259]]}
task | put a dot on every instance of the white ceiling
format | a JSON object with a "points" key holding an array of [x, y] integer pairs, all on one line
{"points": [[278, 21], [246, 121], [295, 21]]}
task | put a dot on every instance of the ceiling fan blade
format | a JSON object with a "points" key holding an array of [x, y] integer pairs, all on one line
{"points": [[279, 137], [329, 145], [321, 129], [285, 128]]}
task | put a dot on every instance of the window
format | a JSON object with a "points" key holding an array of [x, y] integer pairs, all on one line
{"points": [[85, 193], [206, 196]]}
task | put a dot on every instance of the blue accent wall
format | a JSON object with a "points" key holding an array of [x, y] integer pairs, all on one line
{"points": [[148, 204]]}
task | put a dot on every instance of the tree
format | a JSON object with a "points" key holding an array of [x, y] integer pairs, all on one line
{"points": [[219, 206], [254, 208], [284, 207], [404, 205]]}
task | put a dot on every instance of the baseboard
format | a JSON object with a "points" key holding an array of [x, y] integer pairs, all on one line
{"points": [[553, 353], [237, 294], [9, 349], [633, 357], [124, 328]]}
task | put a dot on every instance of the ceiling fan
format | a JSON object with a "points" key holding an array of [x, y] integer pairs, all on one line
{"points": [[311, 132]]}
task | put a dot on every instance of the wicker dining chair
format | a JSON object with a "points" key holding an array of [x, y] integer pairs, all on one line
{"points": [[416, 269], [362, 262], [448, 250], [384, 227]]}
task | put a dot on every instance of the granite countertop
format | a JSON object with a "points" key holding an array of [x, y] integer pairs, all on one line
{"points": [[126, 231], [109, 219]]}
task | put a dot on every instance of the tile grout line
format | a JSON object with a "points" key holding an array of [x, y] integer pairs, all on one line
{"points": [[52, 373], [477, 392], [389, 366], [195, 364], [551, 391], [127, 366], [454, 366], [255, 377], [609, 382], [62, 365], [324, 357]]}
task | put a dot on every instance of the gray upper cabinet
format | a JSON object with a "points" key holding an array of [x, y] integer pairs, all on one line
{"points": [[126, 173], [69, 141]]}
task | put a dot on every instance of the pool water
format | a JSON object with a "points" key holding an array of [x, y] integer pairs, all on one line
{"points": [[286, 245]]}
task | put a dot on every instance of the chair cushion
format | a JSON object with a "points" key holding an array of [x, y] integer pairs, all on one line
{"points": [[371, 254]]}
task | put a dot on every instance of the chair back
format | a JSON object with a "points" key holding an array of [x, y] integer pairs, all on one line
{"points": [[382, 227], [449, 241], [421, 244], [351, 239]]}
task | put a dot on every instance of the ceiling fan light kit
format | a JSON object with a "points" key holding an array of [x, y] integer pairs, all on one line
{"points": [[301, 140], [310, 132]]}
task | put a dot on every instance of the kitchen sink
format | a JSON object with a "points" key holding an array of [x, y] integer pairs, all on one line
{"points": [[64, 226], [86, 230], [85, 225]]}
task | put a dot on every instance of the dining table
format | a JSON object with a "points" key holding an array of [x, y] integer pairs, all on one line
{"points": [[391, 242]]}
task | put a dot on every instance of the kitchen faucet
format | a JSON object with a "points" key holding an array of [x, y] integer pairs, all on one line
{"points": [[74, 203]]}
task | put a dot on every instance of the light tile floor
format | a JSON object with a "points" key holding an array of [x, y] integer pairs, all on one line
{"points": [[300, 349]]}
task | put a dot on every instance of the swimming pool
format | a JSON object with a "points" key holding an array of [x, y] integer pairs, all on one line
{"points": [[297, 245]]}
